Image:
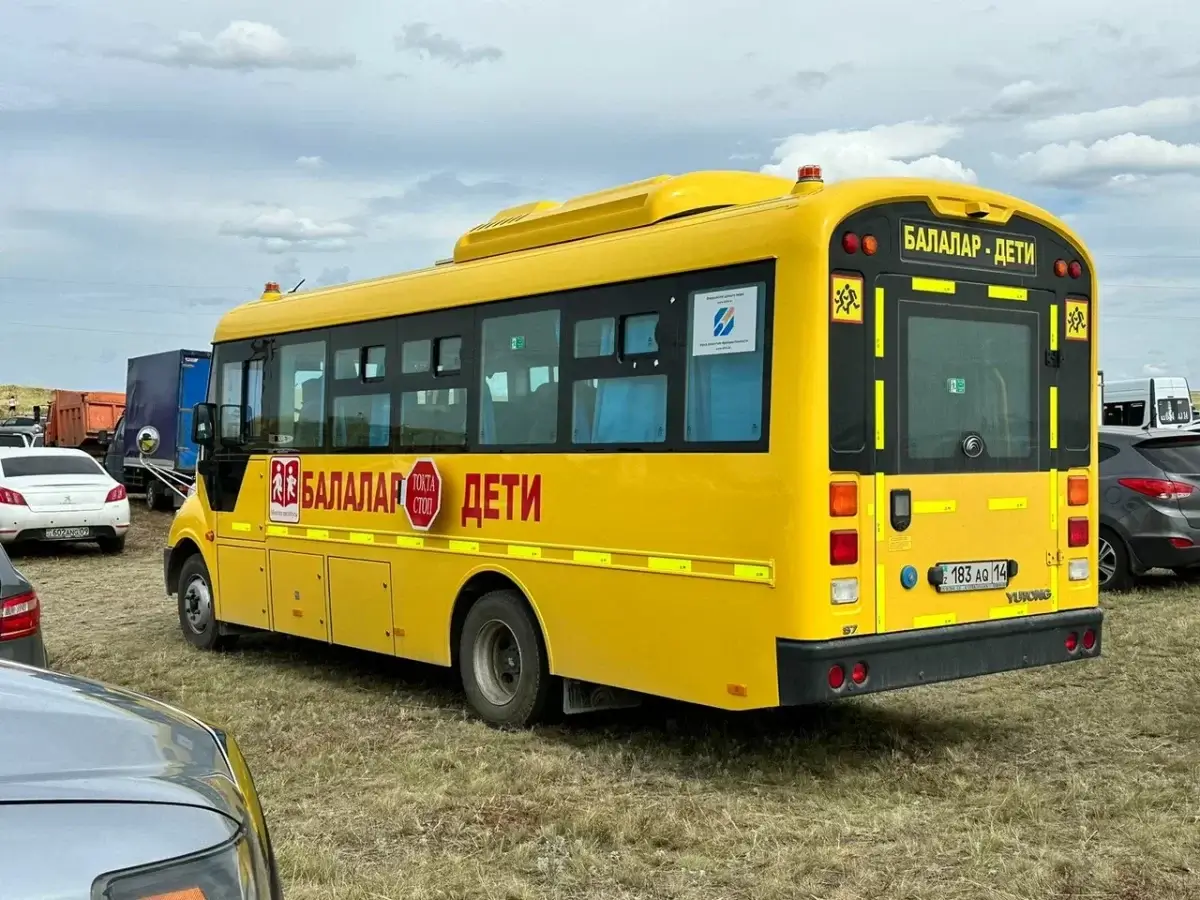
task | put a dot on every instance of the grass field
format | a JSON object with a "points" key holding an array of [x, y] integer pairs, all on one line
{"points": [[26, 397], [1082, 781]]}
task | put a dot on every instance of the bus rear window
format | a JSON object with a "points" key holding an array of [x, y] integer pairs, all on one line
{"points": [[968, 376]]}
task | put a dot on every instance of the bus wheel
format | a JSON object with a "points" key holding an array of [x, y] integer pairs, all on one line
{"points": [[502, 661], [1112, 559], [197, 616]]}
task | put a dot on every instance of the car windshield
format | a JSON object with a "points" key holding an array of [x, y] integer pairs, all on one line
{"points": [[11, 440], [48, 464]]}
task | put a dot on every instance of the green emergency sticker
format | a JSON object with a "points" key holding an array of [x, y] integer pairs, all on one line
{"points": [[956, 385], [518, 342]]}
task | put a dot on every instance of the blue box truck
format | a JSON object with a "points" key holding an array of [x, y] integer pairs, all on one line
{"points": [[155, 433]]}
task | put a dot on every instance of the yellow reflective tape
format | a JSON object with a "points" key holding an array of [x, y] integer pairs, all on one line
{"points": [[317, 534], [1009, 612], [880, 577], [665, 564], [752, 573], [938, 621], [361, 537], [240, 526], [921, 507], [880, 505], [524, 551], [592, 557], [1008, 503], [879, 322], [999, 292], [405, 540], [1053, 418], [879, 433], [1053, 326], [933, 285], [277, 530], [1054, 499], [465, 546]]}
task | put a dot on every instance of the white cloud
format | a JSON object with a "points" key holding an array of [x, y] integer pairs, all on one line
{"points": [[1023, 98], [283, 231], [241, 46], [18, 98], [310, 162], [1157, 113], [1118, 160], [905, 149]]}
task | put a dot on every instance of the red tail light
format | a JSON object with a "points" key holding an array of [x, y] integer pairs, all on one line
{"points": [[20, 616], [1077, 532], [1180, 543], [837, 676], [850, 242], [1158, 488], [858, 674], [843, 548], [11, 498], [1071, 642], [1075, 269], [117, 493], [1089, 640]]}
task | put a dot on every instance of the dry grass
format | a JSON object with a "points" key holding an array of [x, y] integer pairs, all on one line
{"points": [[27, 398], [1081, 781]]}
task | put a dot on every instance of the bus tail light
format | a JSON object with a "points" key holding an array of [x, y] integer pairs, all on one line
{"points": [[858, 674], [843, 591], [1089, 640], [837, 676], [1071, 642], [1060, 268], [870, 244], [1077, 532], [1077, 490], [850, 242], [1074, 269], [843, 499], [843, 548]]}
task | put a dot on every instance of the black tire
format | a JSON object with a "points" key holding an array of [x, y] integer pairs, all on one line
{"points": [[197, 618], [1112, 553], [158, 496], [112, 544], [499, 623]]}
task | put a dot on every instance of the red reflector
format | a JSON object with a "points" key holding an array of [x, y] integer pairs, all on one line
{"points": [[843, 548], [11, 498], [1075, 269], [1060, 267], [1072, 642], [117, 493], [850, 242], [1089, 639], [858, 674], [837, 676], [1180, 543], [1159, 488], [870, 244], [1077, 532], [843, 499], [20, 616]]}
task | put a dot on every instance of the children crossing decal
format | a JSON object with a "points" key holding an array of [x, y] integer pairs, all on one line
{"points": [[846, 299]]}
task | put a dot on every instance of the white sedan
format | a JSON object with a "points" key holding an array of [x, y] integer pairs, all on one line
{"points": [[60, 494]]}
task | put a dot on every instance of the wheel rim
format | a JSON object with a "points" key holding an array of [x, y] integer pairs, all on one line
{"points": [[497, 658], [1107, 560], [197, 604]]}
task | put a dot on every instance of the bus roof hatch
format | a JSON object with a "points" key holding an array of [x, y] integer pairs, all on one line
{"points": [[634, 205]]}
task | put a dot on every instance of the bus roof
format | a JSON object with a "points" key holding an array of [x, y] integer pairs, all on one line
{"points": [[661, 205]]}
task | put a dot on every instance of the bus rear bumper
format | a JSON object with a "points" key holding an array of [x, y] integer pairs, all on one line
{"points": [[929, 655]]}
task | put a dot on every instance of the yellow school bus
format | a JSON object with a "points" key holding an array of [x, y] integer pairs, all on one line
{"points": [[723, 437]]}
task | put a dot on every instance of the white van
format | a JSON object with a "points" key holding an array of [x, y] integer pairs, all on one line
{"points": [[1158, 401]]}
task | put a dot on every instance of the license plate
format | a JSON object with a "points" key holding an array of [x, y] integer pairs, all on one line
{"points": [[67, 534], [974, 576]]}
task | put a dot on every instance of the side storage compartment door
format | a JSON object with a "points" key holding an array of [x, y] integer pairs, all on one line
{"points": [[244, 572], [298, 601], [360, 604]]}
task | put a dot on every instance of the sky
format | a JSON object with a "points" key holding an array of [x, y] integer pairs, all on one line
{"points": [[160, 162]]}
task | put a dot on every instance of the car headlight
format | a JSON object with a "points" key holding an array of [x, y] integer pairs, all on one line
{"points": [[227, 872]]}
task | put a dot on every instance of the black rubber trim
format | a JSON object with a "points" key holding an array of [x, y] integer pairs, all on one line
{"points": [[167, 570], [929, 655]]}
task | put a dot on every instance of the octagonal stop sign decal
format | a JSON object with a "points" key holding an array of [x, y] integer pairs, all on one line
{"points": [[422, 494]]}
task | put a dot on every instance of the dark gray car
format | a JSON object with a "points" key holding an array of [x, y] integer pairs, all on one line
{"points": [[109, 795], [20, 618], [1149, 503]]}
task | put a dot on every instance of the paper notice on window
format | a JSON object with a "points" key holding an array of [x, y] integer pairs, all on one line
{"points": [[725, 321]]}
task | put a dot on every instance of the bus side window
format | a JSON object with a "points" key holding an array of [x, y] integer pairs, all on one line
{"points": [[519, 378], [302, 396]]}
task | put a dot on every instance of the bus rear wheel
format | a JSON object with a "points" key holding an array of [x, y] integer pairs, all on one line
{"points": [[502, 661]]}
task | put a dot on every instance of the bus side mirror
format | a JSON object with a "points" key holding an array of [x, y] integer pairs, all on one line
{"points": [[203, 417]]}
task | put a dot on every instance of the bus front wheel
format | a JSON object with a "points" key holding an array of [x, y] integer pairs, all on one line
{"points": [[197, 614], [502, 661]]}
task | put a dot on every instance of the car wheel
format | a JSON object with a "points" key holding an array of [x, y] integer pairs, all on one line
{"points": [[112, 544], [502, 661], [1112, 561], [197, 615]]}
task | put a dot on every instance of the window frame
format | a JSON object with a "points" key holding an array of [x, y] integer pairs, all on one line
{"points": [[361, 336], [433, 326], [275, 370]]}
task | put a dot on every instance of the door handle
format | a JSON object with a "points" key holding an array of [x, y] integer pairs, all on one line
{"points": [[901, 509]]}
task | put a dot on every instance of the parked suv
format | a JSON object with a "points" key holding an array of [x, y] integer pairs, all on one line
{"points": [[1149, 503]]}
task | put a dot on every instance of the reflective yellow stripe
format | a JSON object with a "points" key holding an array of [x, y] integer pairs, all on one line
{"points": [[465, 546], [752, 573], [880, 569], [664, 564], [1054, 499], [880, 590], [1009, 612], [933, 285], [880, 505], [999, 292], [592, 557], [524, 551], [935, 621], [921, 507], [277, 530], [1008, 503], [317, 534], [406, 540], [1053, 326], [879, 322], [240, 526], [1053, 418], [358, 537], [879, 432]]}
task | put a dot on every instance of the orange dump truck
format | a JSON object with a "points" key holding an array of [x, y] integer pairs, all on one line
{"points": [[83, 419]]}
